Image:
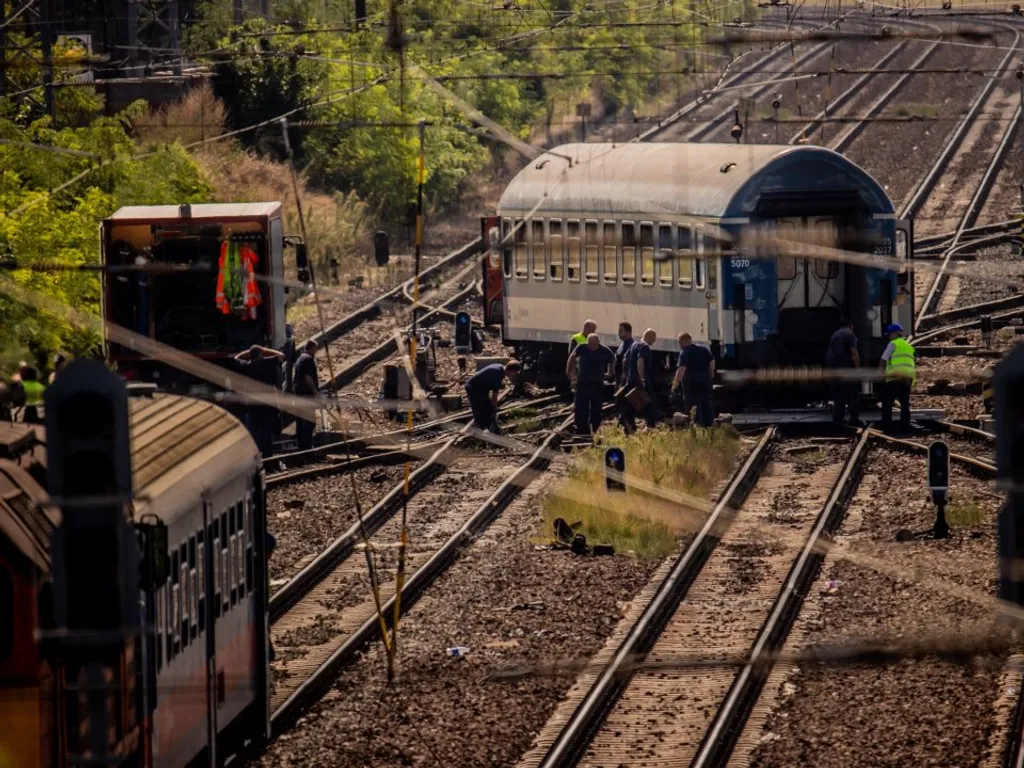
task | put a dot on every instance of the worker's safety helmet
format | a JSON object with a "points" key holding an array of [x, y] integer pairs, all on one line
{"points": [[894, 328]]}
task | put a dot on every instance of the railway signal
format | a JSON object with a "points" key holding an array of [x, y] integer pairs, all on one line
{"points": [[1009, 406], [89, 476], [381, 248], [986, 330], [614, 467], [463, 333], [938, 484]]}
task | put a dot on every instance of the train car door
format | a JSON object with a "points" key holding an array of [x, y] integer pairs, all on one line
{"points": [[493, 297], [811, 291], [904, 280]]}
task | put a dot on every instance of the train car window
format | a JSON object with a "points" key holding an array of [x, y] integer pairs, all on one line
{"points": [[611, 252], [212, 536], [572, 238], [236, 554], [506, 247], [684, 238], [646, 254], [699, 262], [201, 573], [186, 595], [786, 268], [7, 617], [628, 253], [520, 246], [193, 603], [555, 248], [685, 262], [537, 248], [175, 603], [233, 554], [592, 250], [663, 266], [249, 553], [826, 238], [225, 563]]}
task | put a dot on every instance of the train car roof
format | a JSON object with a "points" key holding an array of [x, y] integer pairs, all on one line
{"points": [[201, 211], [181, 448], [23, 522], [718, 181]]}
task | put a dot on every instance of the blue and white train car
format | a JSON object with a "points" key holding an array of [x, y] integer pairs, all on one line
{"points": [[670, 236]]}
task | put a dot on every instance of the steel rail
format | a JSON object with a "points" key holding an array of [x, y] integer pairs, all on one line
{"points": [[376, 306], [415, 451], [319, 683], [729, 721], [999, 320], [385, 349], [971, 214], [1013, 226], [981, 469], [927, 184], [841, 100], [572, 740], [939, 319]]}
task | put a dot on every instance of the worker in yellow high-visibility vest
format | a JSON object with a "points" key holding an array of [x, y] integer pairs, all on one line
{"points": [[580, 339], [900, 375]]}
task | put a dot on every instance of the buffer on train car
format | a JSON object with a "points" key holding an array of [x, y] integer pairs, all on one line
{"points": [[95, 552], [938, 485], [1009, 407], [614, 467], [463, 333]]}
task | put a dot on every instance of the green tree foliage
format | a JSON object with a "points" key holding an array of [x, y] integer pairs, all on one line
{"points": [[39, 228], [523, 64]]}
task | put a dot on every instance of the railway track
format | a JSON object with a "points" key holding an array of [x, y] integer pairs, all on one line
{"points": [[327, 613], [681, 686]]}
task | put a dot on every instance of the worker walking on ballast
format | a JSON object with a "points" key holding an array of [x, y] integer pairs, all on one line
{"points": [[900, 375], [482, 392], [588, 367]]}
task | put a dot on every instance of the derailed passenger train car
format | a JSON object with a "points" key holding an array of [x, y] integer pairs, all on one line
{"points": [[671, 236]]}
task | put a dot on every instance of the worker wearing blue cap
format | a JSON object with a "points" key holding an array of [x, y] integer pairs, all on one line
{"points": [[900, 374]]}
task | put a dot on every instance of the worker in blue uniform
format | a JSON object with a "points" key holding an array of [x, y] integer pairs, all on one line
{"points": [[695, 374], [482, 392], [640, 375], [622, 367], [588, 367]]}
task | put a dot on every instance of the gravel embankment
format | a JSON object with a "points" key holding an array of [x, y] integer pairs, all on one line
{"points": [[914, 712], [308, 515]]}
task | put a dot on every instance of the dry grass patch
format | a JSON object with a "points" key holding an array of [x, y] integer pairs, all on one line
{"points": [[688, 462]]}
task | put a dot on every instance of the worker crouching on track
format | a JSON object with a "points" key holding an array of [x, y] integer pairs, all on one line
{"points": [[695, 372], [482, 393], [588, 367], [900, 374]]}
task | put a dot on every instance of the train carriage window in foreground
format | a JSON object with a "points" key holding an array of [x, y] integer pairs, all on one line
{"points": [[520, 250], [249, 552], [684, 245], [628, 253], [556, 247], [786, 264], [193, 603], [233, 566], [699, 262], [225, 563], [176, 603], [201, 572], [646, 253], [827, 239], [592, 250], [186, 595], [572, 237], [213, 536], [161, 624], [537, 249], [663, 267], [610, 252], [506, 248]]}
